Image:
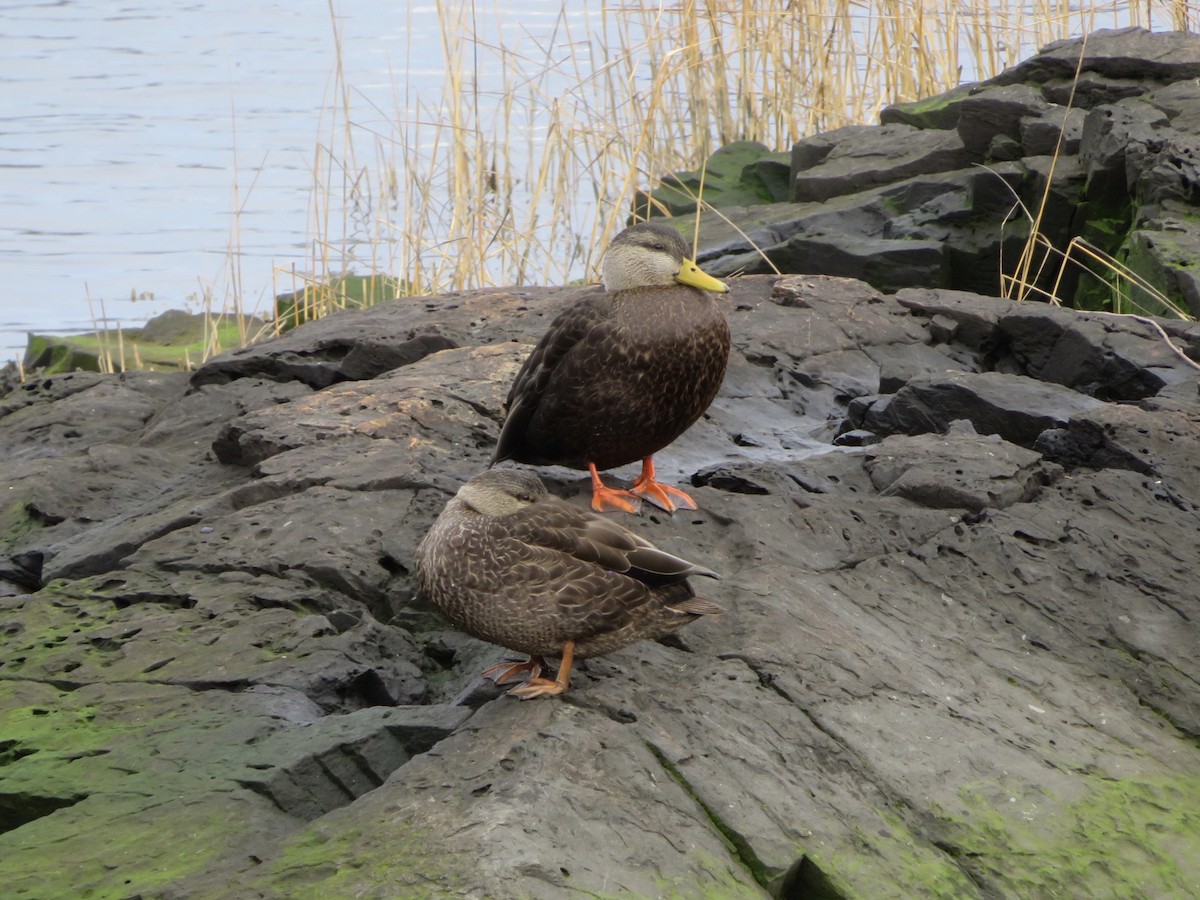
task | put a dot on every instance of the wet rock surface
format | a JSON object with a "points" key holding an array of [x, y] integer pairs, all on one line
{"points": [[958, 656]]}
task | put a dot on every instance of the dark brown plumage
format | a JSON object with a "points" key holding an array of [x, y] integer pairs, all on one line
{"points": [[621, 374], [514, 565]]}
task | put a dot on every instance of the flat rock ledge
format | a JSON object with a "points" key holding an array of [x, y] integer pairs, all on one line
{"points": [[958, 536]]}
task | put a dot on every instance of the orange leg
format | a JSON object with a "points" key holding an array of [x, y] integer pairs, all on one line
{"points": [[511, 670], [604, 498], [661, 495], [537, 687]]}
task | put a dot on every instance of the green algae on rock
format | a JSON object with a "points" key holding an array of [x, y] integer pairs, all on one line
{"points": [[175, 340]]}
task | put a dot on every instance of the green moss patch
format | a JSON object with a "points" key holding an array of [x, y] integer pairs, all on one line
{"points": [[174, 340], [890, 861], [15, 523], [939, 113], [742, 173], [394, 859], [121, 846], [1136, 836]]}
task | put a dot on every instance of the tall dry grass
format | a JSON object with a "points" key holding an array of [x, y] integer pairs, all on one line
{"points": [[526, 163]]}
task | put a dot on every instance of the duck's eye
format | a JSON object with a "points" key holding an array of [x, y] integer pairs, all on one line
{"points": [[658, 246]]}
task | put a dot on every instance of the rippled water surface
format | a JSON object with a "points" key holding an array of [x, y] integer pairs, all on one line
{"points": [[132, 130]]}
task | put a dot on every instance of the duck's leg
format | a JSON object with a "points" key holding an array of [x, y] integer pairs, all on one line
{"points": [[604, 498], [661, 495], [537, 687], [512, 670]]}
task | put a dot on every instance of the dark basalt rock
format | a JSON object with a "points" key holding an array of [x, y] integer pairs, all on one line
{"points": [[942, 190], [1014, 407], [955, 472], [1123, 53], [995, 111], [856, 157], [943, 521]]}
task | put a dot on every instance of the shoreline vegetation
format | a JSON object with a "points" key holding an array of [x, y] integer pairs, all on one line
{"points": [[534, 154]]}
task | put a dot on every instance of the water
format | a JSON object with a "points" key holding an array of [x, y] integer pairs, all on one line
{"points": [[132, 131]]}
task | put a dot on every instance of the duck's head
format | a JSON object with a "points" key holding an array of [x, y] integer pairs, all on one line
{"points": [[501, 492], [651, 253]]}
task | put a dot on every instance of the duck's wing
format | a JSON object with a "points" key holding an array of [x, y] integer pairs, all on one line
{"points": [[587, 538], [585, 599], [567, 330], [595, 575], [656, 566]]}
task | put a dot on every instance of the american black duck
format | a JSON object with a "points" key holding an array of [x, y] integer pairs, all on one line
{"points": [[514, 565], [623, 372]]}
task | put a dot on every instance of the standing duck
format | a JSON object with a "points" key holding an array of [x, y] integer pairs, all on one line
{"points": [[514, 565], [622, 373]]}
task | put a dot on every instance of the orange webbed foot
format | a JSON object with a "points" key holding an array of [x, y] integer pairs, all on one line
{"points": [[615, 499], [540, 687], [537, 687], [661, 495], [513, 670], [606, 498]]}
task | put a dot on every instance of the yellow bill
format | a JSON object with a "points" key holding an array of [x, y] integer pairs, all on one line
{"points": [[692, 274]]}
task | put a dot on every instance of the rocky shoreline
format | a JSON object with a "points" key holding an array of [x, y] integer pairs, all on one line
{"points": [[947, 653], [958, 537]]}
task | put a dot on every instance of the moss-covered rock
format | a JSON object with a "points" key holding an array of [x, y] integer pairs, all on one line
{"points": [[174, 340], [742, 173]]}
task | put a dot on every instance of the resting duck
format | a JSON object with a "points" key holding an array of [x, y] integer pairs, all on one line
{"points": [[514, 565]]}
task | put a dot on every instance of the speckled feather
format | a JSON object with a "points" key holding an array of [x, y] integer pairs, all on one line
{"points": [[619, 375], [511, 564]]}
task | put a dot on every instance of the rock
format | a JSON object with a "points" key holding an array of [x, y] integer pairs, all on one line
{"points": [[1016, 408], [1180, 102], [507, 769], [737, 174], [213, 641], [1056, 130], [857, 157], [940, 112], [10, 378], [92, 409], [174, 340], [319, 768], [1108, 132], [943, 192], [996, 111], [1087, 354], [1164, 252], [956, 472], [1091, 89], [1125, 53], [896, 232], [346, 412]]}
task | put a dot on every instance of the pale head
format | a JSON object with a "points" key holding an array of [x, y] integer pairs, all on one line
{"points": [[501, 492], [649, 254]]}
